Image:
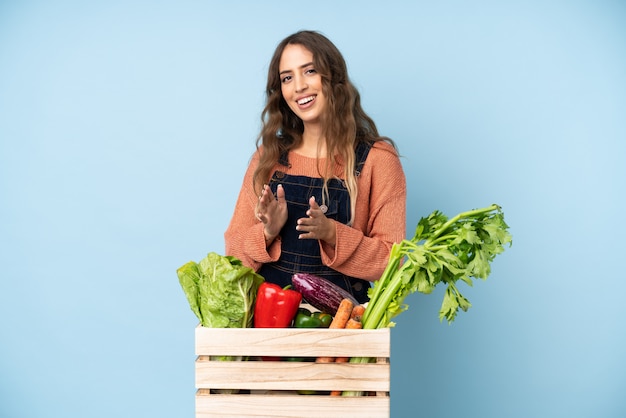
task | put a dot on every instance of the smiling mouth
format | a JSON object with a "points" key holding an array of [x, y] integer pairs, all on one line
{"points": [[306, 100]]}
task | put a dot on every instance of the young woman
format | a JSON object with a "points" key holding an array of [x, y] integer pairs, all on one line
{"points": [[324, 193]]}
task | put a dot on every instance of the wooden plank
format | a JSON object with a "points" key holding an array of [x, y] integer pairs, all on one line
{"points": [[292, 342], [285, 375], [281, 406]]}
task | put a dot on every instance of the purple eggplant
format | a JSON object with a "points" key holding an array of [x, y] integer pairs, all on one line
{"points": [[320, 293]]}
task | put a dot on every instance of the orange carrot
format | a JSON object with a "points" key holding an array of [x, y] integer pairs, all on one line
{"points": [[353, 324], [339, 321], [357, 312], [339, 360], [343, 314]]}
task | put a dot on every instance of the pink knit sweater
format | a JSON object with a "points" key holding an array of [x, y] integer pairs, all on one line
{"points": [[361, 250]]}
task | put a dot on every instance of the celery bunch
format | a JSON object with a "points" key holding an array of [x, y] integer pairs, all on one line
{"points": [[442, 251]]}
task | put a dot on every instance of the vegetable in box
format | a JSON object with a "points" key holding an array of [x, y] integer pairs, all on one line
{"points": [[220, 290]]}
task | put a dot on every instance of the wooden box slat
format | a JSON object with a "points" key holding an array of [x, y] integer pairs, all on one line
{"points": [[307, 342], [282, 406], [285, 375]]}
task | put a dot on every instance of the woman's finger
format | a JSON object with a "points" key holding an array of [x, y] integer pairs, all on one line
{"points": [[280, 194]]}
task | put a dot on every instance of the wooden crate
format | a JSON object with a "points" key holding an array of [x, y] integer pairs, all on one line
{"points": [[270, 388]]}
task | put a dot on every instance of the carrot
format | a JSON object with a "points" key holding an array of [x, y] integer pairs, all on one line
{"points": [[353, 324], [357, 312], [343, 314], [339, 321], [339, 360]]}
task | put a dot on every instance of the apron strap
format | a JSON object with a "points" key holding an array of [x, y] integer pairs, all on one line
{"points": [[362, 150]]}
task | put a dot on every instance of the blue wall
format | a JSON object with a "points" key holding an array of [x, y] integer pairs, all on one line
{"points": [[125, 129]]}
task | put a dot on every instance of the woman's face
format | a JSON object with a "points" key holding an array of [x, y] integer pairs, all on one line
{"points": [[301, 84]]}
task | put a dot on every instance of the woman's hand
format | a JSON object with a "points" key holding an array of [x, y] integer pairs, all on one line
{"points": [[272, 211], [317, 225]]}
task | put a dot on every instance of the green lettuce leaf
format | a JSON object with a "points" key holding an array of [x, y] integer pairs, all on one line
{"points": [[220, 290]]}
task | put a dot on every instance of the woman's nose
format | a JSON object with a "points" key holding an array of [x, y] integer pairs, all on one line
{"points": [[301, 84]]}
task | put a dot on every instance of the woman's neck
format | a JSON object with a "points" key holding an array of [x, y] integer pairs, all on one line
{"points": [[312, 143]]}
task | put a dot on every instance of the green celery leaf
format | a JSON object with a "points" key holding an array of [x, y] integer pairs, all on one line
{"points": [[449, 306]]}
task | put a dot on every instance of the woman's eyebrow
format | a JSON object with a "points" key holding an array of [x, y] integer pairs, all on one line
{"points": [[302, 66]]}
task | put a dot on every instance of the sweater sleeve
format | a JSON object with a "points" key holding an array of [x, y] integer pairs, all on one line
{"points": [[362, 250], [244, 237]]}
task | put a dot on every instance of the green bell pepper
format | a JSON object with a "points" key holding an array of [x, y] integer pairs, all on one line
{"points": [[326, 318], [306, 319]]}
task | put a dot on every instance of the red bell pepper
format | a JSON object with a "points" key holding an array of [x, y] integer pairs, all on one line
{"points": [[275, 307]]}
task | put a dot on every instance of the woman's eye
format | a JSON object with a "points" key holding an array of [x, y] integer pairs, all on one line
{"points": [[285, 78], [310, 71]]}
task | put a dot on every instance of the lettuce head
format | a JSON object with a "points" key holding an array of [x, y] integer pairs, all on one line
{"points": [[220, 290]]}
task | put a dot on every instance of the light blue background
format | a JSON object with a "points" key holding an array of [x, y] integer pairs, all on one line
{"points": [[125, 130]]}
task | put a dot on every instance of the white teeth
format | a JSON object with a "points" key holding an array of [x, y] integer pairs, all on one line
{"points": [[305, 100]]}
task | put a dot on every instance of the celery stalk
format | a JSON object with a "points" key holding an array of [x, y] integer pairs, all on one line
{"points": [[441, 251]]}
